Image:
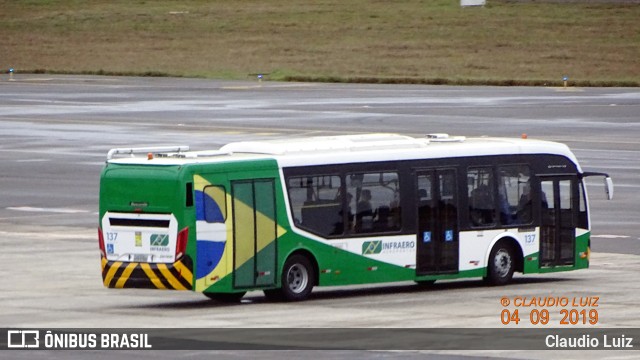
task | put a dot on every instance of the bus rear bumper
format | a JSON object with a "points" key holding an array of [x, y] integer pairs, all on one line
{"points": [[120, 274]]}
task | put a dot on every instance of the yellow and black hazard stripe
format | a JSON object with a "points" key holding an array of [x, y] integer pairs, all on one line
{"points": [[176, 276]]}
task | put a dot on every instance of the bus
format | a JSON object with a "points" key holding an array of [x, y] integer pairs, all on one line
{"points": [[284, 216]]}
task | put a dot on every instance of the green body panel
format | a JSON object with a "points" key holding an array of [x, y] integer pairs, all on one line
{"points": [[161, 188], [339, 267], [266, 233], [255, 233], [532, 262], [581, 262], [582, 247]]}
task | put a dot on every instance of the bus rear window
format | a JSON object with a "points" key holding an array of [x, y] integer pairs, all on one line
{"points": [[139, 222]]}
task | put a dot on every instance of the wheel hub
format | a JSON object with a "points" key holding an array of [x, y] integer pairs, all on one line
{"points": [[297, 278], [502, 262]]}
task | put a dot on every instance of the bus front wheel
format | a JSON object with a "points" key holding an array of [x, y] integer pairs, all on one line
{"points": [[502, 264], [297, 278]]}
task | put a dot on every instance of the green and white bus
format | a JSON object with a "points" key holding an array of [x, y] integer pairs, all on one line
{"points": [[284, 216]]}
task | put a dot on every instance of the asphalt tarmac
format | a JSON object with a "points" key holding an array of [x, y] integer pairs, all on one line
{"points": [[55, 132]]}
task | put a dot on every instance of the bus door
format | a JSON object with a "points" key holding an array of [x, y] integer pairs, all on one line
{"points": [[437, 237], [558, 208], [254, 233]]}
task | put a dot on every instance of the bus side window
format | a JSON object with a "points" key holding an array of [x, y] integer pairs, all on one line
{"points": [[376, 201], [315, 203], [482, 207], [214, 204], [514, 193], [583, 218]]}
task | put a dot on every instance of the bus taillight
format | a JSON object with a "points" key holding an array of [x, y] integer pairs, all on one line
{"points": [[101, 243], [181, 245]]}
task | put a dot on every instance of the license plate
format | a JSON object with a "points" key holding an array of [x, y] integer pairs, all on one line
{"points": [[140, 257]]}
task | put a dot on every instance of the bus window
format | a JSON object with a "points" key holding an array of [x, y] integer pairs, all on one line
{"points": [[583, 218], [514, 195], [316, 204], [215, 204], [376, 201], [482, 207], [424, 188]]}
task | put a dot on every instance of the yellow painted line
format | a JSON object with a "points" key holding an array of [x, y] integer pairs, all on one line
{"points": [[111, 272], [169, 276], [185, 272], [152, 276], [125, 275]]}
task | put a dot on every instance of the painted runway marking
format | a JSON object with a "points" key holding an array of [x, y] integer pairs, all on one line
{"points": [[52, 210], [611, 236], [31, 160]]}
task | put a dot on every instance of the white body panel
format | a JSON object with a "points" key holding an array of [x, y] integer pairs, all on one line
{"points": [[357, 149], [140, 243]]}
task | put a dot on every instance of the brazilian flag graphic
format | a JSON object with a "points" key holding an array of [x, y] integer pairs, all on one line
{"points": [[371, 247]]}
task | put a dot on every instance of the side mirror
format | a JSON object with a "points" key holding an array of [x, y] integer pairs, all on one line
{"points": [[608, 183], [608, 187]]}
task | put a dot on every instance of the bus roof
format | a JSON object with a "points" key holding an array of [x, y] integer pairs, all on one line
{"points": [[340, 149]]}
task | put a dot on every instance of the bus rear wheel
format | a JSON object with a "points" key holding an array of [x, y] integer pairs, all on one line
{"points": [[502, 264], [227, 298], [298, 277]]}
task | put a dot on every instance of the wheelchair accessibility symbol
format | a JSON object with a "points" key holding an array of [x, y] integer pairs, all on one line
{"points": [[448, 235]]}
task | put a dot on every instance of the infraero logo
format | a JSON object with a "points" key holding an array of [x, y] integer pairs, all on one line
{"points": [[21, 339], [371, 247], [159, 240]]}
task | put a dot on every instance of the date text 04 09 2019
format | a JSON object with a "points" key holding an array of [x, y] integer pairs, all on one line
{"points": [[543, 310]]}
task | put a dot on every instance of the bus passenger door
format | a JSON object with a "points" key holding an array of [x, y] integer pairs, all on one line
{"points": [[558, 208], [437, 238], [254, 233]]}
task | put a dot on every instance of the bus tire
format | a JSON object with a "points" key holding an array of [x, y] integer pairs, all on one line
{"points": [[297, 278], [227, 298], [502, 264]]}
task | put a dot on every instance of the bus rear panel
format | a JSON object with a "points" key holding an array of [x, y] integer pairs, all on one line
{"points": [[143, 235]]}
